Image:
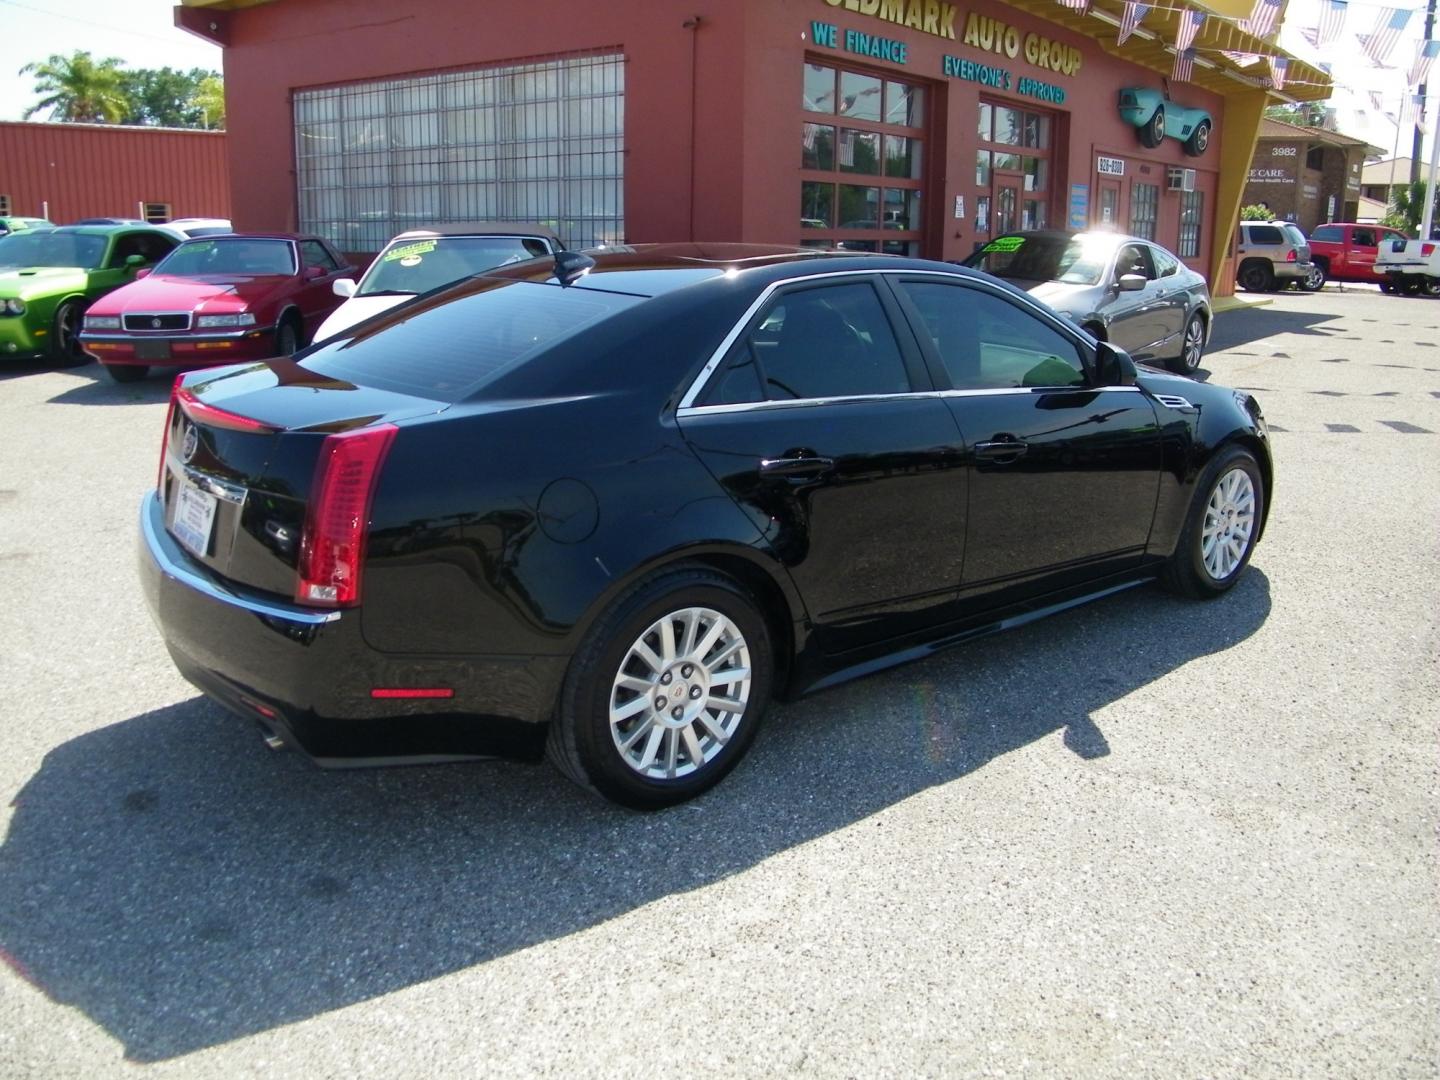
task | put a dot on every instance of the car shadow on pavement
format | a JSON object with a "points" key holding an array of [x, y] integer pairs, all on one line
{"points": [[101, 389], [183, 887], [1234, 329]]}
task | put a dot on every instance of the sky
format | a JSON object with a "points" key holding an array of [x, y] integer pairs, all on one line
{"points": [[1357, 76], [140, 33]]}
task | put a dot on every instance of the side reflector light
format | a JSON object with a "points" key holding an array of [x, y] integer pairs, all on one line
{"points": [[337, 519], [412, 692], [214, 417]]}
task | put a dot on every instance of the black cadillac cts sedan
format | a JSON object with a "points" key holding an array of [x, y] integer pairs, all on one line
{"points": [[610, 508]]}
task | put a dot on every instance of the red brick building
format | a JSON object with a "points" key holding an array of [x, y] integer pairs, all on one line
{"points": [[916, 127]]}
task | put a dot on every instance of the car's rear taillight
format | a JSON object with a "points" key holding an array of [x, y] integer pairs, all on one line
{"points": [[1427, 250], [165, 435], [1290, 255], [337, 519]]}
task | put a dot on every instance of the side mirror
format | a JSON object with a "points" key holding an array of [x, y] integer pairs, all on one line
{"points": [[1131, 282], [144, 271], [313, 273], [343, 287], [1113, 367], [133, 261]]}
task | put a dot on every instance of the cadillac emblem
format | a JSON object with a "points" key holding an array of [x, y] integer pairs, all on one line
{"points": [[154, 324], [189, 444]]}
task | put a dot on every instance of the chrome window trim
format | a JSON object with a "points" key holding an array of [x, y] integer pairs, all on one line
{"points": [[687, 406], [696, 411]]}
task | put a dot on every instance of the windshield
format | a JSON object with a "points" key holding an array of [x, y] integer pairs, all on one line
{"points": [[417, 266], [1072, 260], [240, 256], [451, 348], [52, 249]]}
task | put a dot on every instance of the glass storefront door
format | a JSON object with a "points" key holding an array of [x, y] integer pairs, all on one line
{"points": [[1013, 181]]}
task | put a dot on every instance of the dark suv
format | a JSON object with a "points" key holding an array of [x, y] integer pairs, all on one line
{"points": [[1273, 255]]}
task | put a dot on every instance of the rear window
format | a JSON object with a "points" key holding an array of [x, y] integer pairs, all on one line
{"points": [[1295, 235], [449, 349], [1328, 234]]}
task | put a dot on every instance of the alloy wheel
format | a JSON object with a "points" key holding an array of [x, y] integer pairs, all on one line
{"points": [[1229, 524], [680, 694], [1315, 279], [1194, 344]]}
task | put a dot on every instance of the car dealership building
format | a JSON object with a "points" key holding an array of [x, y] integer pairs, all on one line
{"points": [[909, 126]]}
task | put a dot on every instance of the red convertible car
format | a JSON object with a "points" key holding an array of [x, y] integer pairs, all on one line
{"points": [[214, 301]]}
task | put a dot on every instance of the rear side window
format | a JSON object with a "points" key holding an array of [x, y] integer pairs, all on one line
{"points": [[827, 342], [1264, 234], [1363, 237], [447, 350]]}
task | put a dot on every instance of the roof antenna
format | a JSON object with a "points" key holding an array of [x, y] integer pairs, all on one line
{"points": [[571, 266]]}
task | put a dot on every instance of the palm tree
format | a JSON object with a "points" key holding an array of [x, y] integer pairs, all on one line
{"points": [[78, 89], [1407, 207]]}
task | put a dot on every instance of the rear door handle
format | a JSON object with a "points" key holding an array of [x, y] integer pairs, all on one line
{"points": [[806, 466], [1000, 448]]}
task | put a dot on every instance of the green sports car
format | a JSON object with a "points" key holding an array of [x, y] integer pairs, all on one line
{"points": [[48, 277]]}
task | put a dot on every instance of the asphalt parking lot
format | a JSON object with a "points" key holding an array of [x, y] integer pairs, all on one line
{"points": [[1150, 837]]}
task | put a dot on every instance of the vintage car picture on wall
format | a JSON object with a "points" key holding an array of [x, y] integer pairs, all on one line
{"points": [[1156, 116]]}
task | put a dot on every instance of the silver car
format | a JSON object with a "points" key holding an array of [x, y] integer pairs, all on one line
{"points": [[1122, 289]]}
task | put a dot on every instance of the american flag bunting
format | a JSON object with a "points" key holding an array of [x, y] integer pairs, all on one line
{"points": [[1279, 67], [1332, 20], [1389, 26], [1424, 57], [1190, 23], [1081, 6], [1184, 66], [1262, 18], [1130, 20]]}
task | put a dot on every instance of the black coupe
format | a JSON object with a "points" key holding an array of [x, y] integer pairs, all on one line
{"points": [[611, 506]]}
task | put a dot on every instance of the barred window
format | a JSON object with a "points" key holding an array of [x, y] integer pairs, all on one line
{"points": [[1144, 202], [157, 213], [540, 143], [1191, 204]]}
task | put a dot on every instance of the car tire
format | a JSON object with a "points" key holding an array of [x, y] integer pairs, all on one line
{"points": [[1226, 513], [1315, 280], [1192, 347], [287, 338], [1153, 133], [1387, 286], [1430, 287], [64, 348], [126, 373], [1256, 276], [1199, 139], [646, 757]]}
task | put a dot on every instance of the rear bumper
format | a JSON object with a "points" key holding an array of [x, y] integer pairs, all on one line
{"points": [[186, 350], [307, 674], [1293, 270]]}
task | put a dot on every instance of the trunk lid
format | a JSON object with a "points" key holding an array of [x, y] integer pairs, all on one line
{"points": [[240, 455]]}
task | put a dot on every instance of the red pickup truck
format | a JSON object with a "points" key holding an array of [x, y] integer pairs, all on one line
{"points": [[1346, 252]]}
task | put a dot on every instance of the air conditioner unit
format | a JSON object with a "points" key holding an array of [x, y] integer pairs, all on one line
{"points": [[1178, 179]]}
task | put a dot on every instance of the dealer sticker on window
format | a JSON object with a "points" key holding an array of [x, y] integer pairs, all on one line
{"points": [[1006, 243], [410, 251]]}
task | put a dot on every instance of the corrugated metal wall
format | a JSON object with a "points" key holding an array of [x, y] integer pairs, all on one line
{"points": [[106, 170]]}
